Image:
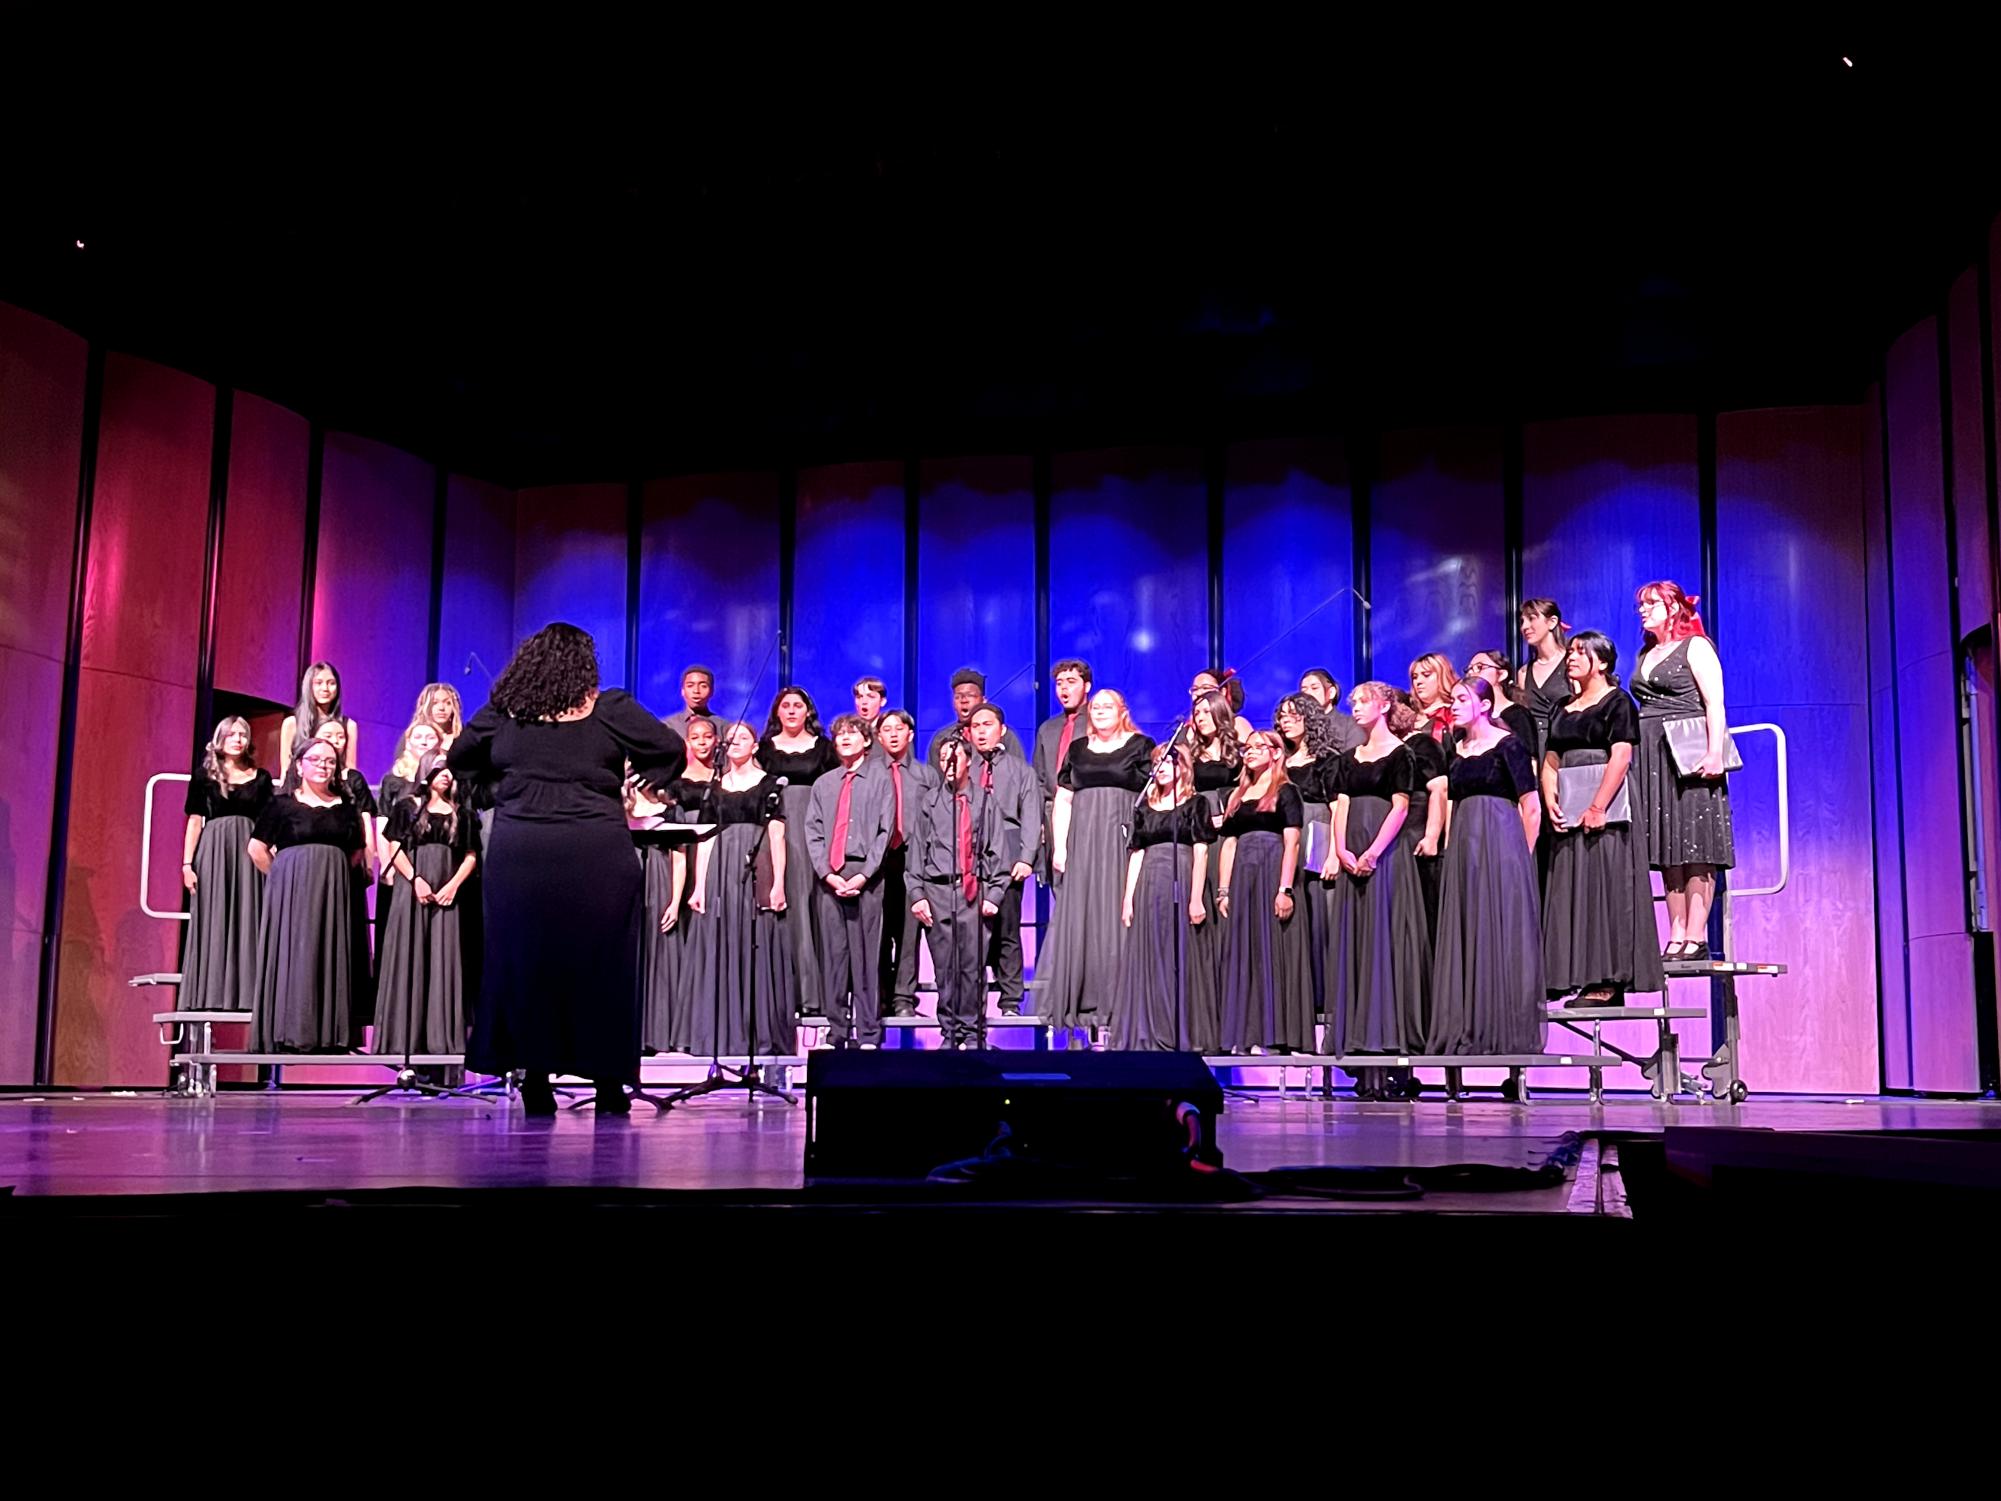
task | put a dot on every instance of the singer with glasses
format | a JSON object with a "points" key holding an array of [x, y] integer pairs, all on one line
{"points": [[563, 889], [1598, 935], [1683, 762], [1493, 666], [308, 842]]}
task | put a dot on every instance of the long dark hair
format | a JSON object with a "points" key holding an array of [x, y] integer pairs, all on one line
{"points": [[211, 756], [553, 671], [1318, 735], [1245, 779], [1602, 651], [812, 725], [1224, 719], [308, 714], [428, 767]]}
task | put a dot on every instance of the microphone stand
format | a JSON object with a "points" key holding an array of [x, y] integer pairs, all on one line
{"points": [[721, 1076]]}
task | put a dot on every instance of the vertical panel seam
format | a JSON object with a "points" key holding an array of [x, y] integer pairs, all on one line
{"points": [[635, 525], [912, 531], [316, 453], [55, 891], [434, 637]]}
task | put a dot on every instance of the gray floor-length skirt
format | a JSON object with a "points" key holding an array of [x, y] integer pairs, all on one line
{"points": [[420, 969], [1079, 968], [1486, 972], [801, 931], [219, 961], [1317, 899], [1267, 972], [1378, 946], [1156, 997], [1598, 909], [659, 955], [305, 953], [722, 982]]}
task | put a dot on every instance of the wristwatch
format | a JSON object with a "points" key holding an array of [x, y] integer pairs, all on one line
{"points": [[1285, 891]]}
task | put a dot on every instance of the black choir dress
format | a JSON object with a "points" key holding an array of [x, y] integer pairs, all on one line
{"points": [[363, 797], [420, 970], [1686, 819], [731, 997], [1598, 911], [1428, 765], [1267, 972], [664, 1011], [1155, 1008], [1486, 973], [308, 967], [1542, 699], [1315, 781], [1080, 969], [1519, 722], [801, 769], [563, 893], [1379, 943], [1213, 782], [219, 959]]}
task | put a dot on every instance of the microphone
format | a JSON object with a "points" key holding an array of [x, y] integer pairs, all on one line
{"points": [[777, 794], [472, 657]]}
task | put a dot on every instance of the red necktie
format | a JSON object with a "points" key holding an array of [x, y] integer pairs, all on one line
{"points": [[838, 850], [1063, 740], [896, 786], [986, 773], [969, 878]]}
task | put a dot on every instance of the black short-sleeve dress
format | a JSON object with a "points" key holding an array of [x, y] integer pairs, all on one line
{"points": [[308, 965], [219, 955]]}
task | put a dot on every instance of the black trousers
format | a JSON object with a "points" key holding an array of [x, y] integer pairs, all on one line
{"points": [[1004, 944], [958, 941], [897, 973], [850, 952]]}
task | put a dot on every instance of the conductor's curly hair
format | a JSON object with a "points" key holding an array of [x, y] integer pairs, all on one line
{"points": [[553, 671]]}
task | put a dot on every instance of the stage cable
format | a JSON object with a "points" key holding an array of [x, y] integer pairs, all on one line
{"points": [[434, 641], [788, 550], [1364, 459], [1215, 483], [635, 526], [316, 454], [211, 578], [913, 481]]}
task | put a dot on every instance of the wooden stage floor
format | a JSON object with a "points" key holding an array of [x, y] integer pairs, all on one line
{"points": [[322, 1142]]}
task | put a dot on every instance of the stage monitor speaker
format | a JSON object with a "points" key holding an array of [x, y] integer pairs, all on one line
{"points": [[902, 1114]]}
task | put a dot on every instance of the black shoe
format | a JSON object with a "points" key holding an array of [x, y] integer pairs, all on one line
{"points": [[902, 1008], [613, 1100], [537, 1098], [1011, 1008]]}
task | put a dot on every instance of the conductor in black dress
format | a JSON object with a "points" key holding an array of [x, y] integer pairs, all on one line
{"points": [[564, 895]]}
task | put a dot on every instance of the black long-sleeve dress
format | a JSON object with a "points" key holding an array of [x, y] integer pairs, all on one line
{"points": [[219, 959], [564, 894]]}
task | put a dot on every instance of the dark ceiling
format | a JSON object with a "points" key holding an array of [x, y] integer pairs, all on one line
{"points": [[632, 257]]}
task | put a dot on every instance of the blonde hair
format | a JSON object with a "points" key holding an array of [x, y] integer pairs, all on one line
{"points": [[1448, 679], [405, 765], [1125, 723], [1183, 786]]}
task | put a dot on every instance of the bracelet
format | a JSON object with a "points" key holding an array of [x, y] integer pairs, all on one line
{"points": [[187, 865], [1221, 892]]}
